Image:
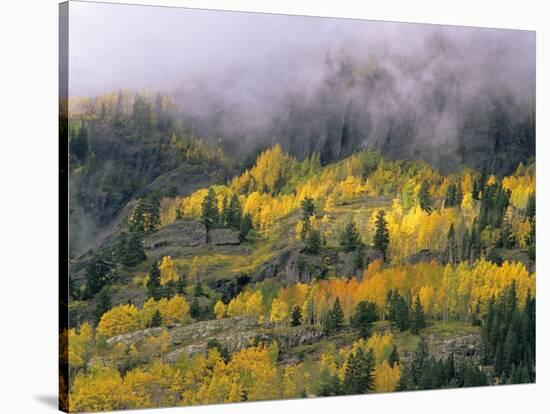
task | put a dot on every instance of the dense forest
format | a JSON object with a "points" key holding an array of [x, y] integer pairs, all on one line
{"points": [[200, 277]]}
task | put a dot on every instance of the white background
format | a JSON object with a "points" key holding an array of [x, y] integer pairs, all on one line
{"points": [[28, 206]]}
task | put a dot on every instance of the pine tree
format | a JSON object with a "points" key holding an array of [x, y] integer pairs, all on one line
{"points": [[424, 197], [335, 318], [246, 226], [98, 273], [452, 248], [394, 357], [195, 309], [128, 249], [308, 208], [350, 238], [233, 216], [450, 196], [420, 360], [209, 210], [156, 320], [145, 218], [296, 316], [103, 304], [418, 319], [359, 374], [199, 290], [364, 316], [153, 284], [313, 241], [381, 239]]}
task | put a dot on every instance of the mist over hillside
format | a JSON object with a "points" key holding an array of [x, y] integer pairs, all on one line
{"points": [[450, 95]]}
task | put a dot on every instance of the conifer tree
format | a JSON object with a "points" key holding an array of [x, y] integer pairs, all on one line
{"points": [[156, 319], [364, 316], [313, 241], [103, 304], [381, 239], [246, 226], [394, 357], [424, 197], [296, 316], [335, 318], [350, 238], [450, 196], [153, 284], [194, 309], [452, 248], [418, 321], [209, 210], [359, 375], [420, 360]]}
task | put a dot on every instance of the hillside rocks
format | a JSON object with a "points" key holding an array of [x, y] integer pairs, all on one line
{"points": [[223, 237], [184, 236], [232, 333], [463, 346]]}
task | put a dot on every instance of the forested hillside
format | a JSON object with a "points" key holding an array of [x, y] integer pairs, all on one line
{"points": [[294, 277]]}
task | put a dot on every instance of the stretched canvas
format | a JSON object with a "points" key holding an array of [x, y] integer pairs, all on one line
{"points": [[264, 207]]}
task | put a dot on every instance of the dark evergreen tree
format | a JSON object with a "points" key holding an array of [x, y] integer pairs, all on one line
{"points": [[452, 248], [154, 288], [246, 226], [313, 241], [359, 374], [381, 239], [398, 313], [233, 216], [451, 195], [181, 285], [350, 238], [103, 304], [128, 249], [308, 208], [195, 308], [146, 216], [98, 273], [296, 316], [394, 357], [359, 259], [419, 361], [156, 320], [199, 291], [424, 197], [209, 210], [335, 318], [418, 320], [364, 316]]}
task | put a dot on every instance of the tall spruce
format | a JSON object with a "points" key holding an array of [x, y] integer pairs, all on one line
{"points": [[381, 239], [154, 288], [350, 238], [424, 197], [418, 320], [296, 316]]}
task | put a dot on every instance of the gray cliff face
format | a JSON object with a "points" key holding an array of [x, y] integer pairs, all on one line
{"points": [[232, 333]]}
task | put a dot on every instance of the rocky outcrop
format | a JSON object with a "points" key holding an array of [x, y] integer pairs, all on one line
{"points": [[463, 346], [231, 333], [224, 237], [176, 238]]}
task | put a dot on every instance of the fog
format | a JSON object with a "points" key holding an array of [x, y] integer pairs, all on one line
{"points": [[247, 76]]}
